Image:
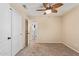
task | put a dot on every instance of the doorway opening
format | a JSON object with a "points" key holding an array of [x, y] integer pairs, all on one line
{"points": [[26, 32]]}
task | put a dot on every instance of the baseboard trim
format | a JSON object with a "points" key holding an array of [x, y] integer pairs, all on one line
{"points": [[71, 47]]}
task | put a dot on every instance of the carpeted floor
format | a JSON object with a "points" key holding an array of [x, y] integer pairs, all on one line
{"points": [[52, 49]]}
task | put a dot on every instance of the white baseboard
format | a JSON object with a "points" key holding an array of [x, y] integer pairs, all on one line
{"points": [[70, 47]]}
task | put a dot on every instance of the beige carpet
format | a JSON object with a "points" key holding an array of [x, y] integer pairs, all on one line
{"points": [[55, 49]]}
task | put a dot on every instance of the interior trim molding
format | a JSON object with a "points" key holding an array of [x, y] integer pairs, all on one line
{"points": [[70, 47]]}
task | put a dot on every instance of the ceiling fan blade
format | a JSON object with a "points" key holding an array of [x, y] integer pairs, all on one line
{"points": [[41, 10], [46, 5], [57, 5]]}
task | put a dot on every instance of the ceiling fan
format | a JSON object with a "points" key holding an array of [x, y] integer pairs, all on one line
{"points": [[50, 7]]}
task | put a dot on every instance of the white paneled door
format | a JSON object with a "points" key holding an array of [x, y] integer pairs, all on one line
{"points": [[10, 31], [5, 30], [16, 32]]}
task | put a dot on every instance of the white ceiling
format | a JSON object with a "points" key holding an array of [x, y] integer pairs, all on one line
{"points": [[32, 7]]}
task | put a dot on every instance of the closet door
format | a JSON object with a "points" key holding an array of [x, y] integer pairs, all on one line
{"points": [[5, 30], [16, 32]]}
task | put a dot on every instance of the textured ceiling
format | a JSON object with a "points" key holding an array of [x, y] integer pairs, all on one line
{"points": [[32, 7]]}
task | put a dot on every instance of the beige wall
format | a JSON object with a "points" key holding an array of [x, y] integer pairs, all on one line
{"points": [[70, 25], [49, 29]]}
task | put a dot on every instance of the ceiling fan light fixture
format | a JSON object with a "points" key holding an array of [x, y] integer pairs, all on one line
{"points": [[48, 11]]}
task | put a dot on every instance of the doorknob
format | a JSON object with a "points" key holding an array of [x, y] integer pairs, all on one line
{"points": [[9, 38]]}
